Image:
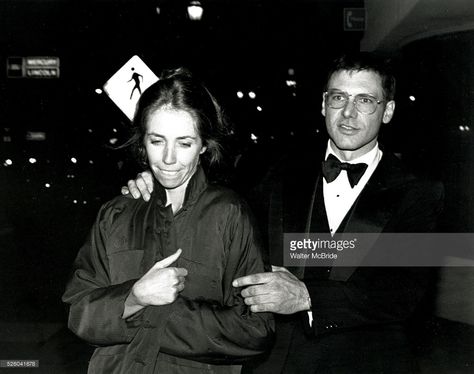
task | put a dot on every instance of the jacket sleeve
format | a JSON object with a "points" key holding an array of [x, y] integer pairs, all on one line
{"points": [[379, 295], [213, 333], [96, 305]]}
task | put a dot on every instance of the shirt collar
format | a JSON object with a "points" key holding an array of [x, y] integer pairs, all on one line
{"points": [[368, 158]]}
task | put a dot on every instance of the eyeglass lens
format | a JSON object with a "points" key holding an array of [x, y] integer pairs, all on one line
{"points": [[363, 103]]}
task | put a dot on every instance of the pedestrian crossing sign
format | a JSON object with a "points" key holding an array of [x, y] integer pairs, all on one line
{"points": [[125, 87]]}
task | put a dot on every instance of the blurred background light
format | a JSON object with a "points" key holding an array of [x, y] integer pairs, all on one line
{"points": [[195, 11], [35, 135]]}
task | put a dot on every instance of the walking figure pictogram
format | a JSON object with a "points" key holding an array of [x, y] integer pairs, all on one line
{"points": [[136, 78]]}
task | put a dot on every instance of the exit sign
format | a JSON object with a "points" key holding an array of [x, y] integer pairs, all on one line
{"points": [[33, 67], [354, 19]]}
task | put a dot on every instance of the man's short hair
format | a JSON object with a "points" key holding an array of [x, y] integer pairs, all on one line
{"points": [[367, 61]]}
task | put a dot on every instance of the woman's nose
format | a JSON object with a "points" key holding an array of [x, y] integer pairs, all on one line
{"points": [[169, 157]]}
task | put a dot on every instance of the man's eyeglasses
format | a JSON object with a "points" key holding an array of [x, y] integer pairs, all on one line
{"points": [[365, 104]]}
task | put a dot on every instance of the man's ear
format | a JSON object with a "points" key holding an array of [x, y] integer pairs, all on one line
{"points": [[203, 149], [323, 106], [388, 112]]}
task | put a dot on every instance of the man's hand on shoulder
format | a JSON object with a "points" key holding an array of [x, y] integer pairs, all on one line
{"points": [[141, 186], [278, 292]]}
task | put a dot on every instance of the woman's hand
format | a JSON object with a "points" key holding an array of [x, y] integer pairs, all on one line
{"points": [[159, 286]]}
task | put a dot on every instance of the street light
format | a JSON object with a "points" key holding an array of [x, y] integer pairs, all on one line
{"points": [[195, 10]]}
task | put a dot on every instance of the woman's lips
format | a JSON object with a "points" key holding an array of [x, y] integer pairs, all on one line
{"points": [[169, 172]]}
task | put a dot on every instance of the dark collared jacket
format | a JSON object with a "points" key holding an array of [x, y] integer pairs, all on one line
{"points": [[359, 312], [208, 328]]}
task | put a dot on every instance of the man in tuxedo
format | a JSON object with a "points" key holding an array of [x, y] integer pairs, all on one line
{"points": [[342, 319]]}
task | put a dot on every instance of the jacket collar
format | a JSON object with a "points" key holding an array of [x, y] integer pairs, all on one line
{"points": [[197, 184], [375, 207]]}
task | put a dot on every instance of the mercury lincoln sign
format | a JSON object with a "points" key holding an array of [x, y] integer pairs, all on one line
{"points": [[33, 67]]}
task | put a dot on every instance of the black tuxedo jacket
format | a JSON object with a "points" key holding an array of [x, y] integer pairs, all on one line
{"points": [[359, 312]]}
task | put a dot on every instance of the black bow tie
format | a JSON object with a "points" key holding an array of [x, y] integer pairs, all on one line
{"points": [[332, 167]]}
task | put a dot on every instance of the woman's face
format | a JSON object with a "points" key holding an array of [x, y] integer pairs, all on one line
{"points": [[173, 146]]}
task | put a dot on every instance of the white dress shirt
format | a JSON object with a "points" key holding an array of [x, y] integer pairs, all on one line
{"points": [[339, 196]]}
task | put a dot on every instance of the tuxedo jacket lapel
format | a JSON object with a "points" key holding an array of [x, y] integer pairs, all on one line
{"points": [[371, 212], [291, 205]]}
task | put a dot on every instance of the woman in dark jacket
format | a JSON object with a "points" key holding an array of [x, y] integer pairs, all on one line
{"points": [[152, 285]]}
